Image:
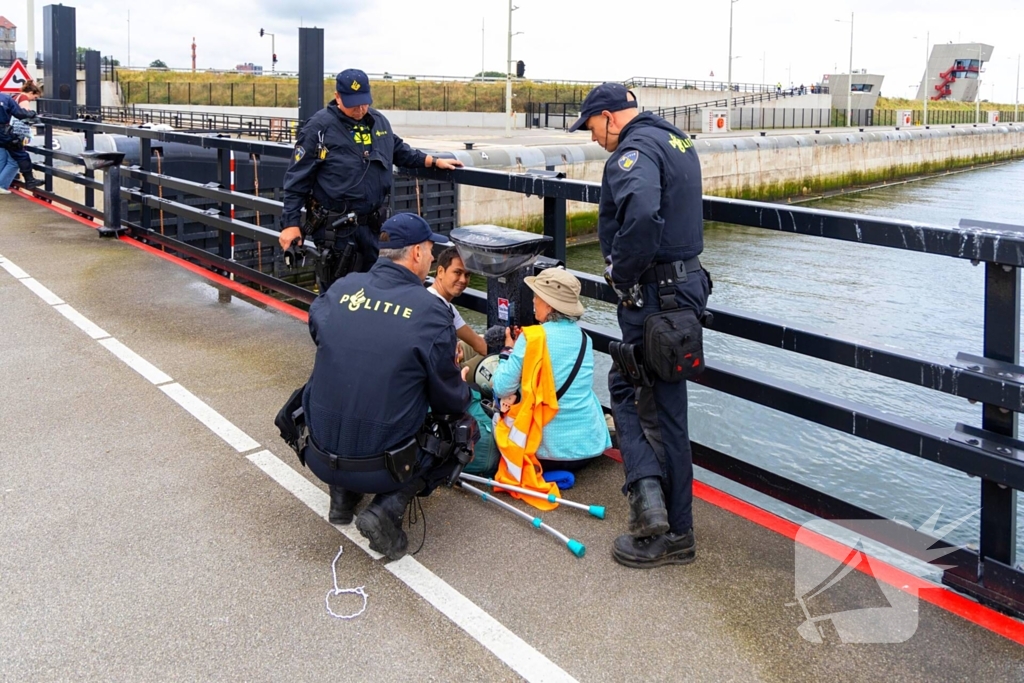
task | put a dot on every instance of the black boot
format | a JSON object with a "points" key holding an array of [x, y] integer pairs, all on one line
{"points": [[655, 551], [30, 182], [381, 521], [343, 505], [648, 515]]}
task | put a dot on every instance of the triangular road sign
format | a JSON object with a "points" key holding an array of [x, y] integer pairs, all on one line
{"points": [[16, 77]]}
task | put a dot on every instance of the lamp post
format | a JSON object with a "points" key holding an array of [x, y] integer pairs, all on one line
{"points": [[977, 100], [1016, 94], [926, 80], [30, 27], [763, 64], [508, 73], [728, 116], [849, 89]]}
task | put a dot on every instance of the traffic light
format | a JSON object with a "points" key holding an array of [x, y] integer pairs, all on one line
{"points": [[275, 59], [261, 33], [520, 68]]}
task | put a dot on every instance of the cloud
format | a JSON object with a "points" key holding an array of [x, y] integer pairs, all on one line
{"points": [[309, 12]]}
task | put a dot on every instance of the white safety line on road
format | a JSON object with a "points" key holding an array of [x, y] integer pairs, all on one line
{"points": [[463, 612], [214, 421], [303, 489], [81, 322], [14, 270], [135, 361], [42, 292], [478, 624]]}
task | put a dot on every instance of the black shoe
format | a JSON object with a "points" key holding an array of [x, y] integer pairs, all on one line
{"points": [[343, 505], [381, 522], [648, 515], [32, 183], [655, 551]]}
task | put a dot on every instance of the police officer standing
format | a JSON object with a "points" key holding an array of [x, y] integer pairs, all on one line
{"points": [[342, 165], [385, 354], [650, 225]]}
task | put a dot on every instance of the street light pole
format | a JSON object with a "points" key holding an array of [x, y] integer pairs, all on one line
{"points": [[849, 93], [30, 26], [927, 78], [977, 100], [1016, 94], [508, 75], [728, 115]]}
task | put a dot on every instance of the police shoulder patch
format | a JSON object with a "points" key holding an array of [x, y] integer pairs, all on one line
{"points": [[300, 152], [628, 160]]}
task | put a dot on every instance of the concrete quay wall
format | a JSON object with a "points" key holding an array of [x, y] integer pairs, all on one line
{"points": [[765, 168]]}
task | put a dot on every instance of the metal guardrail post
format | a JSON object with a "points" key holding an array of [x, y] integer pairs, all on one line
{"points": [[1002, 332], [90, 198], [48, 141], [145, 163], [224, 178], [555, 225]]}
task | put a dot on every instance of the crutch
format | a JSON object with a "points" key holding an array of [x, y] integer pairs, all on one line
{"points": [[595, 510], [574, 546]]}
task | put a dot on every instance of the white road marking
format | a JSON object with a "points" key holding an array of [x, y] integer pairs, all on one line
{"points": [[213, 420], [14, 270], [519, 655], [135, 361], [81, 322], [42, 292], [303, 489]]}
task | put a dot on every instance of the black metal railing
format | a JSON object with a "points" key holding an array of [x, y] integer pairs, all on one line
{"points": [[994, 378]]}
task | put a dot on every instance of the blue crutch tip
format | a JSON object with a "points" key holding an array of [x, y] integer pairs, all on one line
{"points": [[576, 548], [552, 498], [537, 522], [597, 511]]}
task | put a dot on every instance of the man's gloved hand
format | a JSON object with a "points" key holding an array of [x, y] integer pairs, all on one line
{"points": [[630, 298]]}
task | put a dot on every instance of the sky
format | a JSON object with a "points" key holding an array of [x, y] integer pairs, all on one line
{"points": [[785, 40]]}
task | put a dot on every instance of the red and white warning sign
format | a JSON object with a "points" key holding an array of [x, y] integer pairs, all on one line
{"points": [[16, 77]]}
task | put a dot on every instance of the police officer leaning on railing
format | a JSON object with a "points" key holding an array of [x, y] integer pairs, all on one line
{"points": [[342, 165], [386, 352], [650, 225]]}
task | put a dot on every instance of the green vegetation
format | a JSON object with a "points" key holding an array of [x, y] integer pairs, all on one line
{"points": [[236, 89], [937, 105]]}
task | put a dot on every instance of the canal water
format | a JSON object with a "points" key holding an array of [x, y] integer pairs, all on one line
{"points": [[925, 305]]}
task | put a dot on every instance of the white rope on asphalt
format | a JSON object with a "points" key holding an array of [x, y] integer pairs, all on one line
{"points": [[339, 591]]}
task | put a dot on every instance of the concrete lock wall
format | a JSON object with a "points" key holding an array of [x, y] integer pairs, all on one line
{"points": [[766, 168]]}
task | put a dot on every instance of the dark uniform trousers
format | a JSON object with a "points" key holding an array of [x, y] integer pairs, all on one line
{"points": [[651, 422]]}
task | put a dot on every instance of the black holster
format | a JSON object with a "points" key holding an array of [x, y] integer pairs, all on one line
{"points": [[629, 359], [291, 422], [400, 461]]}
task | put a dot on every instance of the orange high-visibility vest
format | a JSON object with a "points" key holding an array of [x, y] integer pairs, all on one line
{"points": [[518, 432]]}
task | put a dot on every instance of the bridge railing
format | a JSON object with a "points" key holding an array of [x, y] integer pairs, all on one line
{"points": [[993, 377]]}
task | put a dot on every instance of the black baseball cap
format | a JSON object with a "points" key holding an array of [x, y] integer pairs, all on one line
{"points": [[354, 88], [605, 97], [406, 229]]}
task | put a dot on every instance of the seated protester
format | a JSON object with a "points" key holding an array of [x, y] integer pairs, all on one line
{"points": [[385, 356], [451, 280], [578, 432]]}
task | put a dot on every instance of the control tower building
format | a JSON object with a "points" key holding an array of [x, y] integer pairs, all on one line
{"points": [[953, 71]]}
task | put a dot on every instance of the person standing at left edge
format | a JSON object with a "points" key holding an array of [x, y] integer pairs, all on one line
{"points": [[342, 164], [650, 225]]}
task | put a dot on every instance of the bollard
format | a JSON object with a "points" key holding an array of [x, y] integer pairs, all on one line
{"points": [[110, 164]]}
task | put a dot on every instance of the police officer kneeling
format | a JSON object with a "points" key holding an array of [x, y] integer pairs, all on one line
{"points": [[386, 353]]}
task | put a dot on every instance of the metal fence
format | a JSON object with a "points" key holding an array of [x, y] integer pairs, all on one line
{"points": [[991, 453]]}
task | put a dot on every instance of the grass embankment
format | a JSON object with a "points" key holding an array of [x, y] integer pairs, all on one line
{"points": [[938, 105], [240, 90]]}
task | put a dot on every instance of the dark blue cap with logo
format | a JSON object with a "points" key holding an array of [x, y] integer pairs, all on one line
{"points": [[354, 88], [605, 97], [406, 229]]}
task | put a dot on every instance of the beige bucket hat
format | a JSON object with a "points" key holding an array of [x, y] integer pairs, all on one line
{"points": [[559, 289]]}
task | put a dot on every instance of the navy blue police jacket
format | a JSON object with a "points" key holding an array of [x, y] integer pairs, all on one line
{"points": [[385, 353], [9, 109], [651, 207], [355, 172]]}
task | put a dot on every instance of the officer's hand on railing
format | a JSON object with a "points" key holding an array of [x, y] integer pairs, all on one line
{"points": [[447, 164], [289, 235]]}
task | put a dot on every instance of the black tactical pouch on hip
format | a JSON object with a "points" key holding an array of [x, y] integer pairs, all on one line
{"points": [[291, 422], [674, 345], [400, 461]]}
